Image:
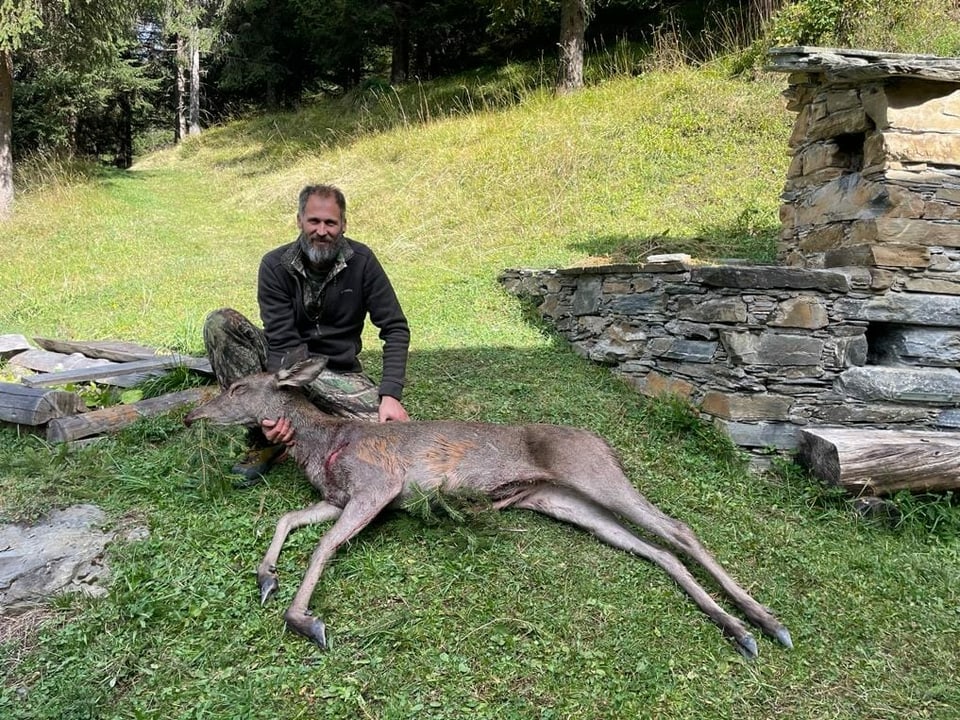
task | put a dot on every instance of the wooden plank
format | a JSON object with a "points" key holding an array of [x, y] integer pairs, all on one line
{"points": [[57, 369], [117, 417], [33, 406], [120, 351], [881, 462], [106, 373]]}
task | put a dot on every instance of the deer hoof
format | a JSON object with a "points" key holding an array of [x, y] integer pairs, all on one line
{"points": [[310, 627], [748, 647], [783, 636], [268, 586]]}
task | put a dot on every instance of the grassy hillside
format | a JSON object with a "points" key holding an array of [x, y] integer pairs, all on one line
{"points": [[509, 616]]}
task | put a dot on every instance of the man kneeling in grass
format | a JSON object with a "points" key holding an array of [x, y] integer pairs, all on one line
{"points": [[314, 296]]}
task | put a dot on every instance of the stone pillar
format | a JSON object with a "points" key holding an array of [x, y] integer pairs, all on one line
{"points": [[875, 176]]}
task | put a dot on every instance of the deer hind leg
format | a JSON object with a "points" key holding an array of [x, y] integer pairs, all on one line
{"points": [[614, 492], [571, 507], [267, 570]]}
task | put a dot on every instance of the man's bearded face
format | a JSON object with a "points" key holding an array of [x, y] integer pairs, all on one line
{"points": [[321, 230]]}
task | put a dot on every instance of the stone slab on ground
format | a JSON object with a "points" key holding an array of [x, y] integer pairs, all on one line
{"points": [[62, 553]]}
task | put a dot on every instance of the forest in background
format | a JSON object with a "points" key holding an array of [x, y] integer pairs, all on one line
{"points": [[110, 80]]}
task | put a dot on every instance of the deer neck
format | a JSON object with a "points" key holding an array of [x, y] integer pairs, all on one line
{"points": [[314, 430]]}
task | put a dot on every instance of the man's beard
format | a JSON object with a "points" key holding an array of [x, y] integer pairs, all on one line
{"points": [[320, 256]]}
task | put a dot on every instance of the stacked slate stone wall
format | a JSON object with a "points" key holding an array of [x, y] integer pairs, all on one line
{"points": [[875, 175], [860, 324], [765, 351]]}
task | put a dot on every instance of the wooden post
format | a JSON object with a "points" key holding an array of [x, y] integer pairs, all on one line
{"points": [[117, 417], [881, 462]]}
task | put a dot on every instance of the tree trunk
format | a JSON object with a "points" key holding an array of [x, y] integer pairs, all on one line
{"points": [[573, 25], [400, 56], [124, 155], [194, 83], [6, 134], [181, 64]]}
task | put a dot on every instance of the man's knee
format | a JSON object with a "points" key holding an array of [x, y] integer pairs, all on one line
{"points": [[234, 345], [220, 324]]}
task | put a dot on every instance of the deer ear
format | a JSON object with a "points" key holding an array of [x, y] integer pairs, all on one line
{"points": [[302, 372]]}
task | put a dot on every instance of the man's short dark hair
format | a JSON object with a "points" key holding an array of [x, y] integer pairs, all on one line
{"points": [[324, 191]]}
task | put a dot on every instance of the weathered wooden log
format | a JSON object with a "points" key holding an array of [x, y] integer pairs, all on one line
{"points": [[881, 462], [117, 417], [108, 374], [58, 369], [33, 406], [115, 350], [120, 351]]}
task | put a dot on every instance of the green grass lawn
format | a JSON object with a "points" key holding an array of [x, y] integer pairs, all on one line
{"points": [[504, 616]]}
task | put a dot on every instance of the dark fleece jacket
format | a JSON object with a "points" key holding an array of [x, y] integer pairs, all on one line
{"points": [[361, 287]]}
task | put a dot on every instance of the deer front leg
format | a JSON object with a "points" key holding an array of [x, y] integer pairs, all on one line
{"points": [[267, 570], [356, 515]]}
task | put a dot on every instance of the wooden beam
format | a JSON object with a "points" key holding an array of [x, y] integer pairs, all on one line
{"points": [[119, 351], [32, 406], [117, 417], [56, 369], [881, 462], [102, 372]]}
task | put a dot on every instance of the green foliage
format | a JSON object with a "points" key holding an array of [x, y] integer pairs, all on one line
{"points": [[18, 20], [456, 504], [927, 26], [813, 22]]}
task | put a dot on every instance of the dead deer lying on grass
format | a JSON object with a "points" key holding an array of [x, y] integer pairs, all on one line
{"points": [[361, 468]]}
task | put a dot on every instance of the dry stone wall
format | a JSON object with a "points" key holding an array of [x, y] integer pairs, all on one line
{"points": [[875, 175], [859, 326], [763, 350]]}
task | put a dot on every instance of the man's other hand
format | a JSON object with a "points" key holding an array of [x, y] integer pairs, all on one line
{"points": [[391, 409]]}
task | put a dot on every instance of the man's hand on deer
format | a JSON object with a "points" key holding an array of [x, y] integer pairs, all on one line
{"points": [[279, 431]]}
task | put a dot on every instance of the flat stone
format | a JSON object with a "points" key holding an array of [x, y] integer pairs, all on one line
{"points": [[905, 231], [62, 553], [759, 406], [695, 351], [586, 299], [718, 310], [13, 344], [923, 346], [655, 384], [904, 308], [803, 311], [638, 303], [869, 413], [781, 436], [885, 255], [768, 277], [949, 418], [747, 348], [935, 386]]}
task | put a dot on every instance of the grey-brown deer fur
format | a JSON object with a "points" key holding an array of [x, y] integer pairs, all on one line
{"points": [[361, 468]]}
